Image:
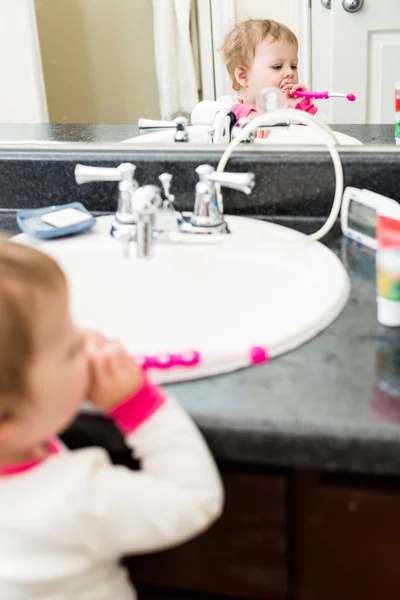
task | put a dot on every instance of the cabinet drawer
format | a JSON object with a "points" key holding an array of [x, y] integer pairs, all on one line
{"points": [[348, 537], [359, 542], [243, 555]]}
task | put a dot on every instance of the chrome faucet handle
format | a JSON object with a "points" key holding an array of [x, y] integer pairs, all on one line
{"points": [[243, 182], [156, 124], [168, 218], [127, 187], [181, 133], [179, 124], [203, 171], [165, 179], [87, 174], [252, 136]]}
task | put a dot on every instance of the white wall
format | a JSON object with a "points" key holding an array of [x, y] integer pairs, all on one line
{"points": [[279, 10], [225, 13], [293, 14], [22, 98]]}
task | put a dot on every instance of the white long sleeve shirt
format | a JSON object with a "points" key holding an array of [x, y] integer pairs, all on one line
{"points": [[65, 522]]}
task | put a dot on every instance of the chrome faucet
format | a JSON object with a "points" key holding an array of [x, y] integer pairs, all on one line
{"points": [[125, 220], [207, 216], [144, 215], [148, 201], [222, 127], [180, 125], [220, 133], [250, 139]]}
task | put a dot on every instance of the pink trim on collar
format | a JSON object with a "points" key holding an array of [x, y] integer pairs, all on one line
{"points": [[54, 447]]}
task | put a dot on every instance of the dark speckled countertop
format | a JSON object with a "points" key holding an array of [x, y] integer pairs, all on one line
{"points": [[82, 132], [323, 405]]}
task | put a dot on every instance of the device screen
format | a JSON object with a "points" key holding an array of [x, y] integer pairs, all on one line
{"points": [[362, 218]]}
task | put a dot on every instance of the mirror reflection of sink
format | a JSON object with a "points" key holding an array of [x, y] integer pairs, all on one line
{"points": [[198, 135], [217, 305]]}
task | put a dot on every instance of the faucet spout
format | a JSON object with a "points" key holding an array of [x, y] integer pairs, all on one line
{"points": [[222, 127], [147, 202]]}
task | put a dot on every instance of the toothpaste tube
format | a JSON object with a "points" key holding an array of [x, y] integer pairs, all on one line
{"points": [[397, 112], [388, 264]]}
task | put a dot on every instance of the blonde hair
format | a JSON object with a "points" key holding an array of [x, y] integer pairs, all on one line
{"points": [[25, 275], [239, 47]]}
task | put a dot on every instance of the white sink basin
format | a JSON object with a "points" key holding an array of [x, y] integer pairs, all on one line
{"points": [[218, 306], [294, 134]]}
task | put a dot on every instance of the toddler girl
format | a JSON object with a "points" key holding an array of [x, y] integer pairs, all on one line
{"points": [[66, 518], [261, 53]]}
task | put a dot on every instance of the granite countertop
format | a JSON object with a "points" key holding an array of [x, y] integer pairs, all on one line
{"points": [[318, 406], [83, 132]]}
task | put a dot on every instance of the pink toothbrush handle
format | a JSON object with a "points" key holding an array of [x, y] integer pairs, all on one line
{"points": [[323, 95], [315, 95], [168, 361]]}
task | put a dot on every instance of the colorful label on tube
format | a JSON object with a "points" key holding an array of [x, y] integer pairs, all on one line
{"points": [[397, 112], [388, 258]]}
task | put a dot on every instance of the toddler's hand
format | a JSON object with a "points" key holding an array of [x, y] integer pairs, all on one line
{"points": [[289, 90], [113, 373], [89, 335], [259, 133]]}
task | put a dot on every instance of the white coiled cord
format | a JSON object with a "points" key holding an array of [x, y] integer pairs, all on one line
{"points": [[327, 135]]}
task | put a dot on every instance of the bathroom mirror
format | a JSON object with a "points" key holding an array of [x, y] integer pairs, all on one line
{"points": [[88, 70]]}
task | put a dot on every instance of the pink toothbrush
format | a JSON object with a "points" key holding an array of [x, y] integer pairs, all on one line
{"points": [[323, 95], [167, 361]]}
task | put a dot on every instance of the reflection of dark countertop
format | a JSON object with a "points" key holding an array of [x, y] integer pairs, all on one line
{"points": [[67, 132], [318, 406], [82, 132], [369, 134]]}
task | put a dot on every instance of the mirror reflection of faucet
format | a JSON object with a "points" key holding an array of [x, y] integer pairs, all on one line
{"points": [[219, 115], [219, 133], [213, 122], [146, 214], [180, 125], [221, 129]]}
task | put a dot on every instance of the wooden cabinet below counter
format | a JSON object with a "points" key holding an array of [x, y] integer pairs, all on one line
{"points": [[348, 538], [244, 555]]}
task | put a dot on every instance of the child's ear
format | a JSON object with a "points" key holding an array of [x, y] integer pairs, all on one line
{"points": [[241, 76]]}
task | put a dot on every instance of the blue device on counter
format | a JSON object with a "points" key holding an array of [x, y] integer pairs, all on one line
{"points": [[32, 221]]}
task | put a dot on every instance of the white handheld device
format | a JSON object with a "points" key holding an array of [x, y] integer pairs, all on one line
{"points": [[359, 214]]}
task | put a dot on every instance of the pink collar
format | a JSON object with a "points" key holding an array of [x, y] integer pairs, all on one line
{"points": [[7, 470]]}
